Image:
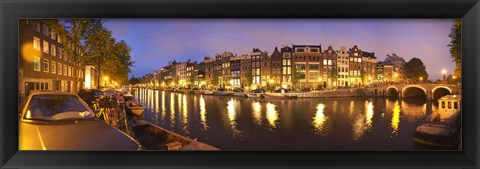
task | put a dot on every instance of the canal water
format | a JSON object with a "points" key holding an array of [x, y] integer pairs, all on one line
{"points": [[237, 123]]}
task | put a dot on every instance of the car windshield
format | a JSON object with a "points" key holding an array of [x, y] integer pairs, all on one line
{"points": [[56, 107]]}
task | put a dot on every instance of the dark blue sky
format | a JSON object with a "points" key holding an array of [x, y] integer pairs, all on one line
{"points": [[157, 41]]}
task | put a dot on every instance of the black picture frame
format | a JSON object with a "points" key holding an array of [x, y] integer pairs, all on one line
{"points": [[11, 11]]}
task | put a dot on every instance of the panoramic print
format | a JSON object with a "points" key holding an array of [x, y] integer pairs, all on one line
{"points": [[240, 84]]}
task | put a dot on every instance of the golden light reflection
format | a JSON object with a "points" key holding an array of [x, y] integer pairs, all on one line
{"points": [[395, 118], [29, 114], [179, 102], [185, 109], [163, 105], [413, 111], [351, 108], [231, 111], [172, 109], [185, 114], [369, 113], [319, 119], [232, 114], [157, 108], [257, 112], [28, 52], [203, 113], [358, 127], [272, 115]]}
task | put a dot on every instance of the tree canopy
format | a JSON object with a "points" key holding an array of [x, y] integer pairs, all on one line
{"points": [[456, 45], [415, 70]]}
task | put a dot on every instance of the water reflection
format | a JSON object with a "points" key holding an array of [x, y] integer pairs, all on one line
{"points": [[257, 112], [395, 118], [203, 113], [232, 114], [272, 115], [172, 110], [363, 122], [319, 119], [163, 106], [185, 114], [278, 125], [369, 113]]}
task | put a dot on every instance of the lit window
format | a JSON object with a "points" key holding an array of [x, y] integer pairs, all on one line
{"points": [[65, 70], [36, 63], [45, 47], [54, 50], [53, 67], [59, 68], [46, 64], [36, 43]]}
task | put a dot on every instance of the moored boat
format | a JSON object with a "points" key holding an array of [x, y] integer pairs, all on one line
{"points": [[254, 95], [127, 96], [198, 92], [208, 92], [135, 108], [275, 96], [153, 137], [443, 127], [240, 94], [221, 93]]}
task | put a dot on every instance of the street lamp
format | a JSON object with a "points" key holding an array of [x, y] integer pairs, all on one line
{"points": [[421, 79], [444, 77]]}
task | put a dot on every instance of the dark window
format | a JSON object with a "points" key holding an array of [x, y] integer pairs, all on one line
{"points": [[455, 105], [449, 105], [443, 104]]}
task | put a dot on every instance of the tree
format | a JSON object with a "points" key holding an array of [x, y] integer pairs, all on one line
{"points": [[72, 36], [249, 77], [415, 69], [134, 80], [109, 57], [297, 76], [456, 45]]}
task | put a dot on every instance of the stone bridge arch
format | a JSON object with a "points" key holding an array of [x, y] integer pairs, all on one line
{"points": [[414, 91], [392, 91], [439, 91]]}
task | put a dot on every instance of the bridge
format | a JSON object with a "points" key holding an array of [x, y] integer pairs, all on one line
{"points": [[428, 91]]}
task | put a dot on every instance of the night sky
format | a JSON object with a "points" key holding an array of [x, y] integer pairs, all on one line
{"points": [[157, 41]]}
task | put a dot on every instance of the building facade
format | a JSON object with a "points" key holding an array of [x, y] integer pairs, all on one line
{"points": [[342, 67], [43, 63], [287, 66], [306, 61]]}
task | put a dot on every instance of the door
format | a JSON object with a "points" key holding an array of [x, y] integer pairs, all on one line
{"points": [[29, 86]]}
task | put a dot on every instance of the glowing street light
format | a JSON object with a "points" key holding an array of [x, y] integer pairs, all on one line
{"points": [[444, 77], [420, 78]]}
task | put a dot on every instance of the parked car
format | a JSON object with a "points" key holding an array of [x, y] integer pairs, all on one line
{"points": [[238, 90], [90, 95], [280, 90], [63, 121], [307, 89], [259, 90]]}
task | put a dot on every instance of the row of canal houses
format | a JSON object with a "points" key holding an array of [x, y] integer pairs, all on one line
{"points": [[298, 66]]}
